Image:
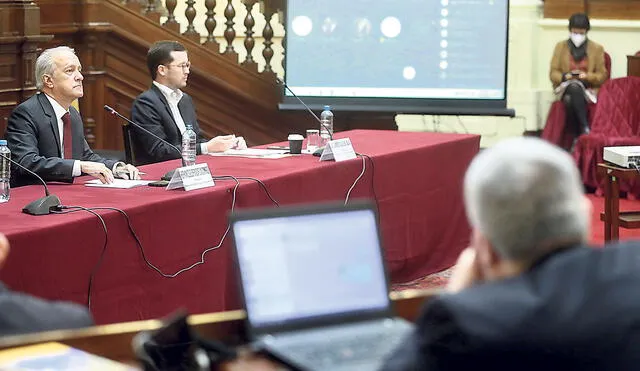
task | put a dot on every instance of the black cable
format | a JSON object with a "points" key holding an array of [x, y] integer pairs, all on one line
{"points": [[264, 187], [144, 256], [72, 209], [373, 185]]}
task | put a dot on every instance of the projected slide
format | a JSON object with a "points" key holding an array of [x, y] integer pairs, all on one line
{"points": [[447, 49]]}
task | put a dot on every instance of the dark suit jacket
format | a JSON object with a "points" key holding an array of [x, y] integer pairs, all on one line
{"points": [[578, 309], [151, 110], [34, 141], [21, 313]]}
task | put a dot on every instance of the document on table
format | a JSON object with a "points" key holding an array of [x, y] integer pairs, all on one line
{"points": [[118, 183], [254, 153]]}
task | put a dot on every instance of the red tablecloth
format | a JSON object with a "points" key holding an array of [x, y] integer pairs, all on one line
{"points": [[418, 183]]}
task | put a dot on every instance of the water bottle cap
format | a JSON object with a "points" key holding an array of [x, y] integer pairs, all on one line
{"points": [[327, 107], [3, 142]]}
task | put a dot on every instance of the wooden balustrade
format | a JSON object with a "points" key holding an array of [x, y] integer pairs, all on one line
{"points": [[152, 9]]}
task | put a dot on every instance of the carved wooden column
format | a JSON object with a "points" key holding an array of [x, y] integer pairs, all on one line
{"points": [[230, 32], [19, 40], [249, 41], [210, 24], [190, 13], [171, 22]]}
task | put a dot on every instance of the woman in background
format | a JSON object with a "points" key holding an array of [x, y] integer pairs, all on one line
{"points": [[577, 71]]}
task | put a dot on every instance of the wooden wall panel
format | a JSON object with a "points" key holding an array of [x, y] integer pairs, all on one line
{"points": [[597, 9], [19, 40]]}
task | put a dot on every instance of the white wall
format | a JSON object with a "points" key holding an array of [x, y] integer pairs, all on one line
{"points": [[531, 42]]}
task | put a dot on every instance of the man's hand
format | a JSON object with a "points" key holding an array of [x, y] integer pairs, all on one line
{"points": [[466, 272], [240, 144], [98, 170], [221, 143], [128, 172]]}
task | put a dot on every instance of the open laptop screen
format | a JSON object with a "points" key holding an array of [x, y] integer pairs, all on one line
{"points": [[301, 266]]}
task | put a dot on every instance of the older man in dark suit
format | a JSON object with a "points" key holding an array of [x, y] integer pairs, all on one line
{"points": [[22, 313], [529, 294], [45, 133], [165, 109]]}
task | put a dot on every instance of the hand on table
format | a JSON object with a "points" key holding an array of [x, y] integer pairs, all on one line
{"points": [[97, 170]]}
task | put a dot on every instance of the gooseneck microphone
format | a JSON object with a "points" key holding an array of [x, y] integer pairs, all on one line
{"points": [[281, 82], [168, 175], [43, 205]]}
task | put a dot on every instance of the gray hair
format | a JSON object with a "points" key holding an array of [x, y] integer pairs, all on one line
{"points": [[524, 193], [45, 64]]}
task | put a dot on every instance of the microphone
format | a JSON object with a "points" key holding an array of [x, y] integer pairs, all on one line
{"points": [[43, 205], [168, 175], [281, 82]]}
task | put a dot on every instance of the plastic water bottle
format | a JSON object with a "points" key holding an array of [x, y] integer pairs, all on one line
{"points": [[189, 146], [326, 129], [5, 171]]}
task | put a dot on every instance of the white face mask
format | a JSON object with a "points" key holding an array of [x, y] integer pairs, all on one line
{"points": [[577, 38]]}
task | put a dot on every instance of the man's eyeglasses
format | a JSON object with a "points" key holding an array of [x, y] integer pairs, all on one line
{"points": [[184, 66]]}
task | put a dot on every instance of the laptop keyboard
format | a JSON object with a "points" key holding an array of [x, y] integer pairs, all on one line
{"points": [[344, 348]]}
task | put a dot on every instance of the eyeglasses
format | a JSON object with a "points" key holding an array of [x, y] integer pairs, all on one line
{"points": [[184, 66]]}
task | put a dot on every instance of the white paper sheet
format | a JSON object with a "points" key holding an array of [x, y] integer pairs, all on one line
{"points": [[118, 183]]}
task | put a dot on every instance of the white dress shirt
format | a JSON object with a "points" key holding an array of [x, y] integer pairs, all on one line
{"points": [[173, 98], [61, 111]]}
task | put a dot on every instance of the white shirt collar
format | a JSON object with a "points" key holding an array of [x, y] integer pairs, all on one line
{"points": [[172, 96], [57, 108]]}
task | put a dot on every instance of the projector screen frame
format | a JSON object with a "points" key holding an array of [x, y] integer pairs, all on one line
{"points": [[426, 106]]}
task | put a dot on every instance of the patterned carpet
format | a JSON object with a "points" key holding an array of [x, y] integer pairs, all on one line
{"points": [[440, 279], [432, 281]]}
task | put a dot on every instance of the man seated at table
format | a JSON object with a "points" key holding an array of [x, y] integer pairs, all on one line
{"points": [[165, 110], [528, 294], [22, 313], [45, 133]]}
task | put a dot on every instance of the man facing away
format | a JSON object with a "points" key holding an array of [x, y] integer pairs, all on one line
{"points": [[165, 110], [21, 313], [45, 133], [528, 294]]}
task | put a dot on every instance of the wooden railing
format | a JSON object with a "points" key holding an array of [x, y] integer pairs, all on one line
{"points": [[114, 341]]}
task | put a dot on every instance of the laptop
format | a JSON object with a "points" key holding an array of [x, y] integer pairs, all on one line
{"points": [[315, 287]]}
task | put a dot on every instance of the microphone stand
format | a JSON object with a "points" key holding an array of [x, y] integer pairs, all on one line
{"points": [[169, 174], [318, 151], [43, 205]]}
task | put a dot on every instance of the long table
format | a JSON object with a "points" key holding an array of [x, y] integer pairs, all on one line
{"points": [[416, 179]]}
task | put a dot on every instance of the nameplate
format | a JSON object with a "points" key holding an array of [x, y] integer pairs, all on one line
{"points": [[339, 150], [191, 177]]}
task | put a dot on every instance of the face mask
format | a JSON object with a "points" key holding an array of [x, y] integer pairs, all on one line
{"points": [[577, 39]]}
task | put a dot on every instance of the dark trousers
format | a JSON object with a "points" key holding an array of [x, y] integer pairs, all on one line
{"points": [[575, 105]]}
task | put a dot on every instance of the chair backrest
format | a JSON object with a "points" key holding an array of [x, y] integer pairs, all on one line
{"points": [[607, 64], [129, 154], [618, 113]]}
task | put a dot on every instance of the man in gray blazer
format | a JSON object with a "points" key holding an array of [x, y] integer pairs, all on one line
{"points": [[22, 313], [45, 133]]}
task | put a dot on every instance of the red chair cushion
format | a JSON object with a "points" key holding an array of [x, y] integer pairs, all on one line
{"points": [[616, 123]]}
